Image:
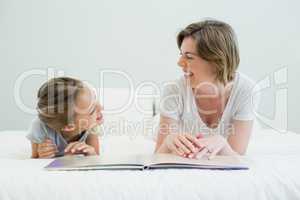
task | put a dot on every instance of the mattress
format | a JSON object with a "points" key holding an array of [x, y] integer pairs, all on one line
{"points": [[274, 160]]}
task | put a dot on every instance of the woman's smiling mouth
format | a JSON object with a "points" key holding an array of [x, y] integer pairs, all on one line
{"points": [[188, 74]]}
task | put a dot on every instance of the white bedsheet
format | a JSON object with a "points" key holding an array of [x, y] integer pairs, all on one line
{"points": [[273, 174]]}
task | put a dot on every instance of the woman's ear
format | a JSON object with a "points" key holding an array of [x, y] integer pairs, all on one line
{"points": [[69, 128]]}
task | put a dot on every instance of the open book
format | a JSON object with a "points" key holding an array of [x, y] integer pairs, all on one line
{"points": [[144, 162]]}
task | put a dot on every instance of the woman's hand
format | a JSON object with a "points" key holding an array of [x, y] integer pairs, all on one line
{"points": [[46, 149], [213, 145], [181, 144], [80, 148]]}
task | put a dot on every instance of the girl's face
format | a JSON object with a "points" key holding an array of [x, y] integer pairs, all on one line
{"points": [[88, 110], [195, 68]]}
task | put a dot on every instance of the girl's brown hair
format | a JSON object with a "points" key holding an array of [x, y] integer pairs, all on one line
{"points": [[56, 101], [216, 42]]}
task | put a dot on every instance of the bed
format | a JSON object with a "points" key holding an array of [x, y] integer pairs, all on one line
{"points": [[274, 165]]}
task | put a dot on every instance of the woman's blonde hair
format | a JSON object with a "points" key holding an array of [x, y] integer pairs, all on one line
{"points": [[216, 42], [56, 101]]}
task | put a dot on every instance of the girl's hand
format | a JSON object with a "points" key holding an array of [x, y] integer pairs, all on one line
{"points": [[46, 149], [80, 148], [181, 144], [213, 145]]}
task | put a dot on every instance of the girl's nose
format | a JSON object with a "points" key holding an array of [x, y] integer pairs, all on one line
{"points": [[99, 108]]}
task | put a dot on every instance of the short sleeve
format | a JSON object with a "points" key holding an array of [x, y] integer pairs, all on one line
{"points": [[171, 104], [245, 110], [37, 131], [247, 102]]}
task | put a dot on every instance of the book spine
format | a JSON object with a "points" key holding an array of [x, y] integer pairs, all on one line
{"points": [[146, 167]]}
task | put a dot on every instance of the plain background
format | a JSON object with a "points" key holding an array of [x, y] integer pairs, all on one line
{"points": [[82, 38]]}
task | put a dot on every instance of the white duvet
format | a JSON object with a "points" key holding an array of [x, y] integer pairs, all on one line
{"points": [[274, 174]]}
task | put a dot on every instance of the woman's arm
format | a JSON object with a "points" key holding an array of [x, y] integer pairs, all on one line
{"points": [[93, 141], [240, 135], [164, 125], [236, 142]]}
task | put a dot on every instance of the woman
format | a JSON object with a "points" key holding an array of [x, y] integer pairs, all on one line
{"points": [[212, 100]]}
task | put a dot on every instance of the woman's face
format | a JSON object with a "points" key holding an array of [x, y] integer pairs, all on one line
{"points": [[194, 67]]}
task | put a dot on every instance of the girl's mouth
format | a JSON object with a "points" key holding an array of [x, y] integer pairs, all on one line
{"points": [[99, 118]]}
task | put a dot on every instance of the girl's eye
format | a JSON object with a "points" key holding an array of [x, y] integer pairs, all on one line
{"points": [[93, 111]]}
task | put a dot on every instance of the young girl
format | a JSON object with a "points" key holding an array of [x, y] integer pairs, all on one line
{"points": [[68, 120]]}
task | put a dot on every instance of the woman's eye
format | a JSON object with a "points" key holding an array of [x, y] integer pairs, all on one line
{"points": [[186, 56]]}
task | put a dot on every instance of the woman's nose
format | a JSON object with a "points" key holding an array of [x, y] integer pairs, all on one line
{"points": [[181, 62]]}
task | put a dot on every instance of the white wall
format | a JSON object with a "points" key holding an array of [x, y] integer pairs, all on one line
{"points": [[83, 37]]}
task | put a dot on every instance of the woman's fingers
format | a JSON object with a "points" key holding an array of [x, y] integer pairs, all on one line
{"points": [[171, 145], [214, 152], [202, 153], [177, 150], [178, 142], [205, 149], [199, 135], [196, 142], [188, 144], [174, 148]]}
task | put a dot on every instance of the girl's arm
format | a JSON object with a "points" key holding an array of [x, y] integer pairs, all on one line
{"points": [[93, 141], [34, 150], [44, 150]]}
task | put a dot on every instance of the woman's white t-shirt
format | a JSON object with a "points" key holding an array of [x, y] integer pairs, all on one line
{"points": [[178, 103]]}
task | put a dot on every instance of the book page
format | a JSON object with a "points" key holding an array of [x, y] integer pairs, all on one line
{"points": [[77, 161], [169, 160]]}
